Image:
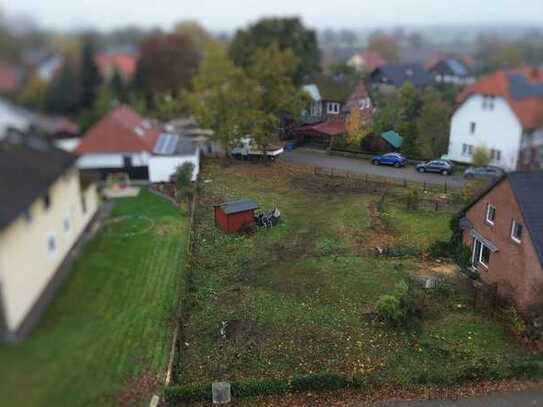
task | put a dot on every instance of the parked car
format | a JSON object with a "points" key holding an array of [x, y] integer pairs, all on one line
{"points": [[395, 159], [487, 171], [438, 166]]}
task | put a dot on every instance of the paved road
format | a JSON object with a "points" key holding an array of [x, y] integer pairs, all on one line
{"points": [[526, 398], [321, 159]]}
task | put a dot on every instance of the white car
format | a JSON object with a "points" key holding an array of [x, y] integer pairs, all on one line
{"points": [[246, 149]]}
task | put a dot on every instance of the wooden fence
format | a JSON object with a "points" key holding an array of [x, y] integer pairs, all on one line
{"points": [[385, 182]]}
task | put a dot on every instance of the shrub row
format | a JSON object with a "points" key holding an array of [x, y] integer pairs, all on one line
{"points": [[530, 367], [252, 388]]}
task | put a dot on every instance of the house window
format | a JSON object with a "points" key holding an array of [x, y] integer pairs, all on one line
{"points": [[333, 108], [481, 254], [51, 244], [495, 155], [516, 231], [46, 201], [467, 149], [490, 214], [485, 256], [66, 224], [83, 203], [472, 127]]}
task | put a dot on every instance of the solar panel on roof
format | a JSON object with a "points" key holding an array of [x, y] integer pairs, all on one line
{"points": [[457, 67], [160, 144], [171, 143]]}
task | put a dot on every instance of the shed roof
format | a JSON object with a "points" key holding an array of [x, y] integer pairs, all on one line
{"points": [[393, 138], [241, 205]]}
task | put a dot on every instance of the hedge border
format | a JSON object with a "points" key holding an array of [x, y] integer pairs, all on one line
{"points": [[526, 368]]}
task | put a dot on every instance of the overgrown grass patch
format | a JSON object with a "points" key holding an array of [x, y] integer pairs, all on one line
{"points": [[299, 299]]}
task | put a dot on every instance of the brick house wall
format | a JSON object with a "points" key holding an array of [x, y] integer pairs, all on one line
{"points": [[514, 266]]}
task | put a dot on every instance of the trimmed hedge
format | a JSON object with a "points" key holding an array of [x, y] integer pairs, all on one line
{"points": [[330, 381], [252, 388]]}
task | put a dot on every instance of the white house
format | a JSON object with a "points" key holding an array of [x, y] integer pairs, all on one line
{"points": [[122, 141], [46, 207], [13, 118], [502, 112]]}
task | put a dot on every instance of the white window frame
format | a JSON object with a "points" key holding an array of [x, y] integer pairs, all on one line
{"points": [[487, 218], [472, 127], [476, 260], [332, 108], [513, 237]]}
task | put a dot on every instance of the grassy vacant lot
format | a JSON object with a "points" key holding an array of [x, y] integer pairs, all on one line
{"points": [[110, 324], [297, 296]]}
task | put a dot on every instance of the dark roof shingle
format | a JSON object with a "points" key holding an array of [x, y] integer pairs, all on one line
{"points": [[27, 170], [528, 190]]}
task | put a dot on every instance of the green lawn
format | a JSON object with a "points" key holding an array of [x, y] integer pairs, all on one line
{"points": [[297, 296], [111, 323]]}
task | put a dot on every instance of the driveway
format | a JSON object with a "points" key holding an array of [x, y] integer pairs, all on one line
{"points": [[321, 159], [526, 398]]}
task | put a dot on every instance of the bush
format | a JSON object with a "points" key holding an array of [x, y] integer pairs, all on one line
{"points": [[323, 381], [390, 309], [198, 392], [440, 249], [397, 308], [252, 388]]}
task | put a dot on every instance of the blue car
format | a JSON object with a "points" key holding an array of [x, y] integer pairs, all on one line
{"points": [[395, 159]]}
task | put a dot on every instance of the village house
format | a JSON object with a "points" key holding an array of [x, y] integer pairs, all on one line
{"points": [[359, 100], [321, 109], [13, 119], [393, 76], [366, 61], [46, 207], [451, 70], [504, 229], [122, 62], [124, 142], [502, 112]]}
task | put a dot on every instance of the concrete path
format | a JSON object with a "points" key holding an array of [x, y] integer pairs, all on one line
{"points": [[527, 398], [360, 166]]}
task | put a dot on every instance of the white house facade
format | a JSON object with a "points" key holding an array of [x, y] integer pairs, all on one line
{"points": [[40, 222], [483, 121]]}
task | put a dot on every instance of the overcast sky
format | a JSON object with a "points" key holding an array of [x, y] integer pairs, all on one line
{"points": [[229, 14]]}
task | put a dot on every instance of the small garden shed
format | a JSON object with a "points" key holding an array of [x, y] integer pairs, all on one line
{"points": [[231, 217]]}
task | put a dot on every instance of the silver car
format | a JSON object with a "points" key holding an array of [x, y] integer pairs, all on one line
{"points": [[487, 171]]}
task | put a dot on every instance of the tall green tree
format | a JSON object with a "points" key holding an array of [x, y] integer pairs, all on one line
{"points": [[273, 69], [89, 75], [287, 33], [118, 86], [433, 125], [223, 98], [167, 64], [63, 92], [409, 102]]}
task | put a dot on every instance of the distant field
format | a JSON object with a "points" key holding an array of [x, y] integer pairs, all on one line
{"points": [[296, 296], [111, 323]]}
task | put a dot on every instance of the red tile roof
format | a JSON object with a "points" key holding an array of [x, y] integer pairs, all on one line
{"points": [[529, 110], [120, 131], [372, 59], [124, 63], [330, 128]]}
